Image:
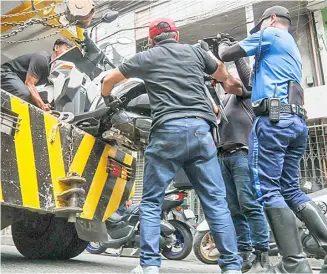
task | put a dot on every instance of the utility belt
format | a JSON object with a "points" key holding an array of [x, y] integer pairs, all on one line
{"points": [[264, 108], [273, 107]]}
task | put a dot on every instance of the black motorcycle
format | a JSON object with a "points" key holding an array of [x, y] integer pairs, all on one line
{"points": [[175, 238]]}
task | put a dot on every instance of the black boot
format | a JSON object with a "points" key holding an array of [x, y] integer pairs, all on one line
{"points": [[316, 222], [283, 225], [248, 260], [261, 263]]}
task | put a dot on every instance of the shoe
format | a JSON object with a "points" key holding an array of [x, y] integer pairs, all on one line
{"points": [[324, 267], [232, 272], [146, 269], [248, 260], [316, 222], [261, 263], [283, 225]]}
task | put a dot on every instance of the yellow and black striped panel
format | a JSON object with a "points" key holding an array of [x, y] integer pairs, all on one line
{"points": [[40, 152]]}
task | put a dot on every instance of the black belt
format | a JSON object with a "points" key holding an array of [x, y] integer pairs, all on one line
{"points": [[284, 108], [232, 150]]}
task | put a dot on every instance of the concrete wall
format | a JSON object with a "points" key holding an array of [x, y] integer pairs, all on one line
{"points": [[303, 40], [185, 12], [315, 102]]}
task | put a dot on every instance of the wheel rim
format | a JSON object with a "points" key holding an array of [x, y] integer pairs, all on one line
{"points": [[178, 247], [94, 246], [208, 248]]}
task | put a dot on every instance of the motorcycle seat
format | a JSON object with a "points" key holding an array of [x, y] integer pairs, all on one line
{"points": [[115, 218], [95, 114], [141, 102]]}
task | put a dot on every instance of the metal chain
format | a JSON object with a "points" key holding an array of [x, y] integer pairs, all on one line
{"points": [[31, 22], [33, 39], [30, 12]]}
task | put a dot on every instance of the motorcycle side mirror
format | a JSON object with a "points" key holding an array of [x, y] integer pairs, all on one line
{"points": [[110, 16]]}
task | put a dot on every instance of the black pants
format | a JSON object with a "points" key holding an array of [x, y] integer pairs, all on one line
{"points": [[11, 83]]}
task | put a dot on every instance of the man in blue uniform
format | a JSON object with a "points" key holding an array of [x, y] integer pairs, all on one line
{"points": [[279, 136]]}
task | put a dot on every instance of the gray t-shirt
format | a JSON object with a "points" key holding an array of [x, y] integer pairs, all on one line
{"points": [[238, 129], [35, 64], [173, 77]]}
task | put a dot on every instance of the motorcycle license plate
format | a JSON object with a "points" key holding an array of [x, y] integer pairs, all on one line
{"points": [[189, 214]]}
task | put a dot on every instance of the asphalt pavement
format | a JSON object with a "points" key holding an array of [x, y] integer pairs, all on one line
{"points": [[13, 262]]}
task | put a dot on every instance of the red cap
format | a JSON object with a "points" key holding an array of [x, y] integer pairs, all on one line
{"points": [[161, 25]]}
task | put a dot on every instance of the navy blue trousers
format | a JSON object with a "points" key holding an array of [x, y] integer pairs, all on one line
{"points": [[275, 150]]}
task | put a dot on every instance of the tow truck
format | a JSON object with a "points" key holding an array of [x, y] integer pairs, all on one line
{"points": [[58, 183]]}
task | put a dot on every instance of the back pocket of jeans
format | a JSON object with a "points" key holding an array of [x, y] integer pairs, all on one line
{"points": [[207, 147], [166, 144]]}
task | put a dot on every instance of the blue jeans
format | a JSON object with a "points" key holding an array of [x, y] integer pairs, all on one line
{"points": [[248, 217], [185, 143], [275, 151]]}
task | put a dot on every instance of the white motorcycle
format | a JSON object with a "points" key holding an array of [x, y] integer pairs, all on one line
{"points": [[205, 249]]}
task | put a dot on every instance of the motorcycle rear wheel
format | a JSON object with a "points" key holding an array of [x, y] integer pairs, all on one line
{"points": [[204, 248], [184, 239]]}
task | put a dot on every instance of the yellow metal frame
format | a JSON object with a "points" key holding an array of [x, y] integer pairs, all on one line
{"points": [[26, 6]]}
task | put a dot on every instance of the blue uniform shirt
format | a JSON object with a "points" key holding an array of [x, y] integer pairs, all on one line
{"points": [[280, 62]]}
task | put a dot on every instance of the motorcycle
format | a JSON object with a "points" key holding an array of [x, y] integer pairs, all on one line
{"points": [[205, 249], [175, 239]]}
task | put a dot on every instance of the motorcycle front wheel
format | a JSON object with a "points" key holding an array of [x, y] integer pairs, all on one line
{"points": [[204, 248], [95, 248], [183, 246]]}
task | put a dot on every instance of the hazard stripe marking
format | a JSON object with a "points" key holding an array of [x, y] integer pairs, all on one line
{"points": [[25, 155], [90, 168], [115, 199], [9, 171], [1, 195], [55, 154], [82, 155], [42, 164], [99, 180]]}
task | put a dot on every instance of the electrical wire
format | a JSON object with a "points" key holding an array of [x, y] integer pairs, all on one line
{"points": [[241, 23]]}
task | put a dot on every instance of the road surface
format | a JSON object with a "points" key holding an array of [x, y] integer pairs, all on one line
{"points": [[13, 262]]}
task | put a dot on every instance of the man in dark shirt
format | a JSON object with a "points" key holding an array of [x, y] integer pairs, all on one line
{"points": [[180, 138], [248, 217], [20, 75]]}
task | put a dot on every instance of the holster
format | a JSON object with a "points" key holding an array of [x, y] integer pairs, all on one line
{"points": [[261, 108], [295, 94]]}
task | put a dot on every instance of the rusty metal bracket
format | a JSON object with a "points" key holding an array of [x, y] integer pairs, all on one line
{"points": [[71, 196]]}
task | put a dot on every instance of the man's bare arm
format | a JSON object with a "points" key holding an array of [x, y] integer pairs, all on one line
{"points": [[110, 81], [30, 83]]}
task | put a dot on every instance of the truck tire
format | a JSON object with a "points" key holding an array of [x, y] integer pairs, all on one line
{"points": [[45, 237], [184, 241], [75, 247], [202, 247]]}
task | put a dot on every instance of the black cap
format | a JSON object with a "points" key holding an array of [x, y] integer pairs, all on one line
{"points": [[278, 10]]}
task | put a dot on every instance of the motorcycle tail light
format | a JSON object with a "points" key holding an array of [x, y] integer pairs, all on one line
{"points": [[178, 196], [115, 169]]}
